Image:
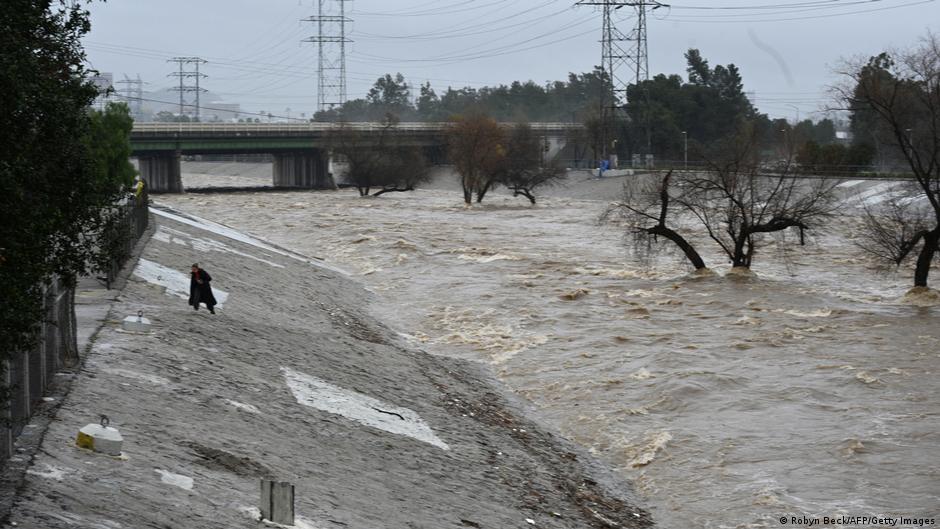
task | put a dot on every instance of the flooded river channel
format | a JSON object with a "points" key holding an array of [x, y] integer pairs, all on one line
{"points": [[809, 388]]}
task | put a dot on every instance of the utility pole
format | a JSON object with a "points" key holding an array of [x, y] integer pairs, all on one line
{"points": [[183, 75], [623, 55], [331, 42], [134, 95], [685, 151]]}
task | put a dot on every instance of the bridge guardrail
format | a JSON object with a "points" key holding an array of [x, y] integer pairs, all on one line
{"points": [[295, 128]]}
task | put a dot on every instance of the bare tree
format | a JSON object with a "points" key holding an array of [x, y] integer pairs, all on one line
{"points": [[903, 93], [477, 149], [525, 168], [403, 169], [378, 160], [645, 210], [739, 203], [733, 199]]}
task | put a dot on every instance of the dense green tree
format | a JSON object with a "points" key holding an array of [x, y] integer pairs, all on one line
{"points": [[569, 101], [165, 116], [390, 95], [60, 168], [709, 106], [833, 159]]}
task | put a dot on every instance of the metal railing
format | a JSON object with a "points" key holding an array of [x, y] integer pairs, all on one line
{"points": [[131, 221], [312, 127], [862, 172]]}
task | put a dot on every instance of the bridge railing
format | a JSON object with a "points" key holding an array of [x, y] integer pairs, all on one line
{"points": [[166, 129]]}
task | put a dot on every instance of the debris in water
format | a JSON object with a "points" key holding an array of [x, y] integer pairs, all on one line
{"points": [[573, 295]]}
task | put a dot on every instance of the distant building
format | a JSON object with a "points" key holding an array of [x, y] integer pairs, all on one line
{"points": [[104, 82]]}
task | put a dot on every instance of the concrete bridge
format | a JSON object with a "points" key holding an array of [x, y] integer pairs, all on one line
{"points": [[301, 151]]}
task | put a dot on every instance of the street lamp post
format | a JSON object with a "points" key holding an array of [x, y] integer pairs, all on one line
{"points": [[797, 109], [685, 152]]}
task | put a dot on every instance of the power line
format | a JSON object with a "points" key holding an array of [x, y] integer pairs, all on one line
{"points": [[815, 3], [431, 12], [696, 19]]}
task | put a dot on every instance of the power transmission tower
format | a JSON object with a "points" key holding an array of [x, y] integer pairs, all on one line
{"points": [[615, 54], [188, 74], [620, 51], [134, 95], [331, 42]]}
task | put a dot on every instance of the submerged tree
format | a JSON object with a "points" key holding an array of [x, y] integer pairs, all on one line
{"points": [[739, 203], [477, 148], [900, 95], [378, 160], [525, 168], [644, 208], [733, 199]]}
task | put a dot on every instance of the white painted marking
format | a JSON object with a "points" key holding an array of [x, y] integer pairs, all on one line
{"points": [[177, 480], [850, 183], [247, 407], [316, 393], [236, 235], [51, 472], [877, 193], [169, 235], [175, 282], [153, 379]]}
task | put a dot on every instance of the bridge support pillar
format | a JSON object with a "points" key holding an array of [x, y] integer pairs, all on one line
{"points": [[307, 169], [161, 172]]}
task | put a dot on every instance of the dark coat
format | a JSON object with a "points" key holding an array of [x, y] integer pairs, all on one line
{"points": [[201, 293]]}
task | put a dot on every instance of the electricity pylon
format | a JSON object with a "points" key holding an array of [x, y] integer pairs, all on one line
{"points": [[331, 42], [192, 74]]}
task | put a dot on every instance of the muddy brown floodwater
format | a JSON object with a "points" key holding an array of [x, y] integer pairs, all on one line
{"points": [[809, 388]]}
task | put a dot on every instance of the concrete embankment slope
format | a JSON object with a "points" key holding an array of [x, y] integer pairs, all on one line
{"points": [[292, 380]]}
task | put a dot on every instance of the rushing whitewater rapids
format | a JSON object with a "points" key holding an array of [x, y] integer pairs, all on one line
{"points": [[808, 388]]}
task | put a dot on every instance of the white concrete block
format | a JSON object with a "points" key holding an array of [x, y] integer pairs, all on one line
{"points": [[136, 323], [99, 438]]}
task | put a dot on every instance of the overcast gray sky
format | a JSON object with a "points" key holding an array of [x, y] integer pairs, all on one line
{"points": [[786, 49]]}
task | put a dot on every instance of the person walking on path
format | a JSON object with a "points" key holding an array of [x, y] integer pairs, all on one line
{"points": [[200, 291]]}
